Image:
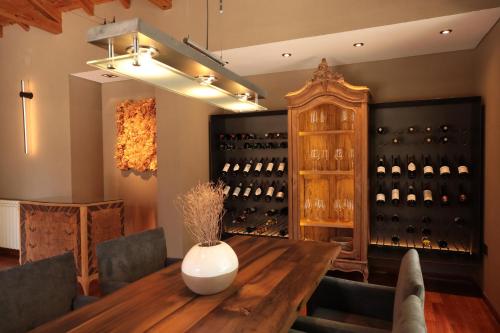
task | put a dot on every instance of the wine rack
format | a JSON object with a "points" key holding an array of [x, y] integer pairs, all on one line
{"points": [[445, 132], [257, 137]]}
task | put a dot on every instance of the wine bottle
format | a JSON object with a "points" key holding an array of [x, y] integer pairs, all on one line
{"points": [[412, 167], [395, 239], [258, 192], [225, 169], [236, 168], [247, 168], [427, 195], [381, 167], [271, 212], [459, 220], [444, 168], [444, 199], [444, 128], [281, 167], [380, 130], [444, 139], [237, 190], [426, 220], [412, 129], [395, 218], [247, 191], [252, 136], [270, 167], [395, 194], [411, 197], [428, 129], [396, 140], [462, 195], [379, 217], [380, 198], [280, 196], [222, 137], [270, 192], [258, 167], [226, 190], [249, 210], [269, 135], [428, 139], [463, 169], [239, 219], [396, 167], [428, 169]]}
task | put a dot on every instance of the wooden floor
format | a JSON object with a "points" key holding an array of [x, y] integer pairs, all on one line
{"points": [[444, 313]]}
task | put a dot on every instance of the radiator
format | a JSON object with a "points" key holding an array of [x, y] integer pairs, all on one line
{"points": [[9, 224]]}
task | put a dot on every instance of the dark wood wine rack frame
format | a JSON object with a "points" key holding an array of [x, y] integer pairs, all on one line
{"points": [[465, 118], [250, 122]]}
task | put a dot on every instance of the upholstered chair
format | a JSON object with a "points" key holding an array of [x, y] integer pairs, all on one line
{"points": [[341, 306], [127, 259], [38, 292]]}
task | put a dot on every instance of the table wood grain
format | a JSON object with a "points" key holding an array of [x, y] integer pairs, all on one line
{"points": [[275, 280]]}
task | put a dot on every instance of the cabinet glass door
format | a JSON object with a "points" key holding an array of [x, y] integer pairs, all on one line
{"points": [[326, 161]]}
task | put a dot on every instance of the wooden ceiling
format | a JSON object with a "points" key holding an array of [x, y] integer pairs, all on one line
{"points": [[46, 14]]}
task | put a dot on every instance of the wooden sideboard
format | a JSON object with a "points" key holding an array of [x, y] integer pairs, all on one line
{"points": [[49, 229]]}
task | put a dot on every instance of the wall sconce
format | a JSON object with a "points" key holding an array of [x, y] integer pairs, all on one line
{"points": [[25, 94]]}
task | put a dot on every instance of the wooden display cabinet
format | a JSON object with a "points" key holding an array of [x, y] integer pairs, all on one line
{"points": [[328, 161]]}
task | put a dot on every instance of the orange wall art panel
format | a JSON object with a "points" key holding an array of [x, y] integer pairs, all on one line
{"points": [[136, 141]]}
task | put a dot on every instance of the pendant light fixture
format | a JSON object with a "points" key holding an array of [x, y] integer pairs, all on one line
{"points": [[142, 52]]}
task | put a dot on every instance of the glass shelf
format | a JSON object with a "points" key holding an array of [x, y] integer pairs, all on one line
{"points": [[326, 172], [306, 133], [327, 223]]}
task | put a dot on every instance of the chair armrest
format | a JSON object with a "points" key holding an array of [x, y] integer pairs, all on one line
{"points": [[81, 301], [109, 287], [319, 325], [354, 297]]}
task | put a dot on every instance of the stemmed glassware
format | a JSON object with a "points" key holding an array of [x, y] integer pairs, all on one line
{"points": [[322, 120], [313, 119], [339, 156], [337, 206], [320, 206], [350, 156], [315, 157], [307, 208]]}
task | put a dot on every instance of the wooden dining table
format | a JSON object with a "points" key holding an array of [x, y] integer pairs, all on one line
{"points": [[275, 280]]}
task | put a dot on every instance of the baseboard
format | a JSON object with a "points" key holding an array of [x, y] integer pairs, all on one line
{"points": [[9, 252], [492, 309]]}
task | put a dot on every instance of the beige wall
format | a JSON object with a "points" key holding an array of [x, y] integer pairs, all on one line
{"points": [[489, 84], [138, 190], [86, 140], [182, 160]]}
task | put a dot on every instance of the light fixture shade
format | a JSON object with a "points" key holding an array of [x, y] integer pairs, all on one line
{"points": [[176, 67]]}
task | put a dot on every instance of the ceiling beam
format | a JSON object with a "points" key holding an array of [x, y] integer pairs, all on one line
{"points": [[125, 3], [39, 21], [24, 26], [88, 6], [163, 4], [47, 9]]}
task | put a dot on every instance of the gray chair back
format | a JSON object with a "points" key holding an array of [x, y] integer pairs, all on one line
{"points": [[127, 259], [36, 292], [411, 318], [410, 281]]}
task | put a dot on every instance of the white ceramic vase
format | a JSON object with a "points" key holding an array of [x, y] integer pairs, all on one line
{"points": [[208, 270]]}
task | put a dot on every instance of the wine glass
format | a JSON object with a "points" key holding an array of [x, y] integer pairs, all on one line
{"points": [[339, 156], [350, 155], [322, 119], [315, 157], [344, 119], [349, 207], [320, 207], [337, 206], [325, 156], [307, 208], [351, 120], [314, 119]]}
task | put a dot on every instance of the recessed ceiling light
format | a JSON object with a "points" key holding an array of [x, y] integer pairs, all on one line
{"points": [[109, 76], [445, 32], [286, 55], [358, 44]]}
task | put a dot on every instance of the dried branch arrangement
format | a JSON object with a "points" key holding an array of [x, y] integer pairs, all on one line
{"points": [[203, 208]]}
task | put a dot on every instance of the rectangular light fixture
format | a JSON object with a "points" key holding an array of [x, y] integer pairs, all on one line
{"points": [[149, 55]]}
